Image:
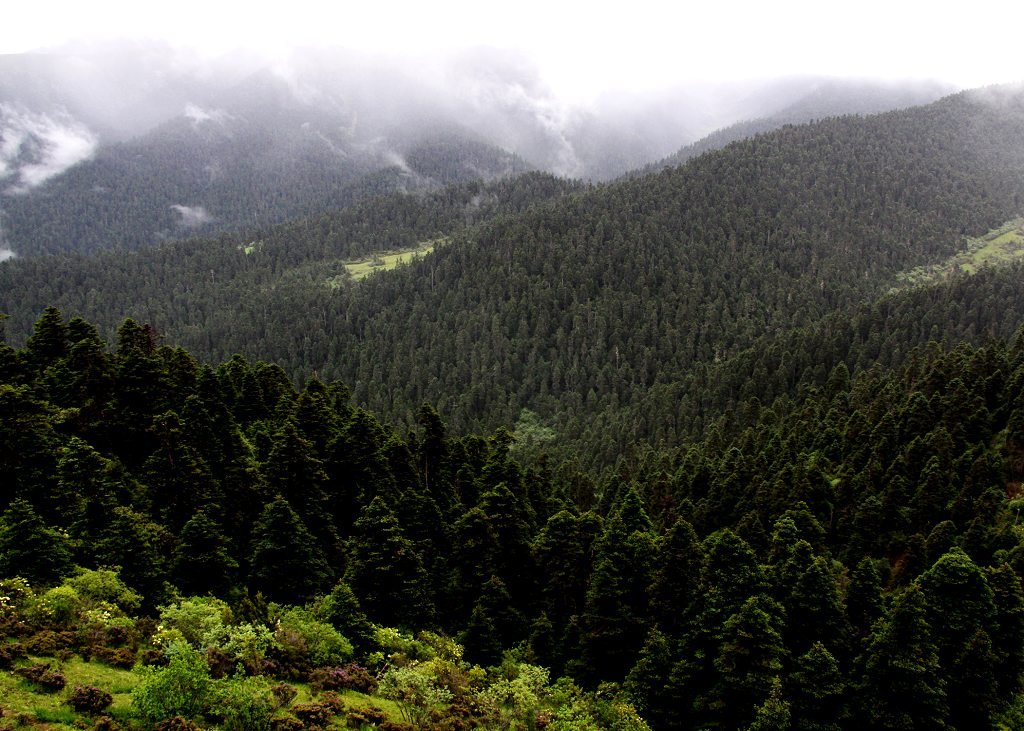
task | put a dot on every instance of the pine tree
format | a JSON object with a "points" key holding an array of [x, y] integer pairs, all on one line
{"points": [[903, 687], [749, 660], [28, 548], [818, 691], [287, 564], [201, 563], [676, 573], [385, 571]]}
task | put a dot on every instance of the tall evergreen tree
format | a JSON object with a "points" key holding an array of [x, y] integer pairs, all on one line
{"points": [[287, 563], [385, 571]]}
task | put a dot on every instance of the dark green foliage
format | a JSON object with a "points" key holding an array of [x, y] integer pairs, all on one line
{"points": [[201, 563], [30, 549], [903, 687], [385, 571], [287, 563]]}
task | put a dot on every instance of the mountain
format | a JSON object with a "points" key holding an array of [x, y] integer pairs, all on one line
{"points": [[125, 146], [817, 99], [573, 302]]}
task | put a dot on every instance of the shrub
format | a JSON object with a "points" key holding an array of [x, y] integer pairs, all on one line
{"points": [[121, 657], [197, 619], [370, 715], [11, 652], [58, 607], [48, 642], [105, 586], [243, 704], [345, 677], [89, 699], [177, 723], [283, 694], [41, 674], [179, 689], [305, 641], [286, 723], [245, 643], [313, 715]]}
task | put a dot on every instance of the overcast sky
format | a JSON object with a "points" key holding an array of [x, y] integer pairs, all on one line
{"points": [[583, 48]]}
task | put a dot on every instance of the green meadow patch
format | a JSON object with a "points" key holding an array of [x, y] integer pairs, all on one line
{"points": [[1003, 245], [386, 261]]}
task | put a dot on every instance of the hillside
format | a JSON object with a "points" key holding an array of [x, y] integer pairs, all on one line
{"points": [[585, 302], [273, 541]]}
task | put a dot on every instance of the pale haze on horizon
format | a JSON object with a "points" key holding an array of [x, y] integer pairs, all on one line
{"points": [[580, 49]]}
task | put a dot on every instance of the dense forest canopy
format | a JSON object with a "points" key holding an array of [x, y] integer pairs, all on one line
{"points": [[863, 535], [734, 445]]}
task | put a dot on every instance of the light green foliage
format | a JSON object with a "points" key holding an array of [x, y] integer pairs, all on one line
{"points": [[300, 631], [104, 585], [179, 689], [398, 646], [198, 619], [246, 643], [57, 607], [242, 703], [413, 687], [999, 246], [519, 696]]}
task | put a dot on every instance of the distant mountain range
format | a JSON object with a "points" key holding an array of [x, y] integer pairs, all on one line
{"points": [[127, 146]]}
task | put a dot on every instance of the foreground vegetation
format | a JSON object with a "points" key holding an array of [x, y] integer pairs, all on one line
{"points": [[852, 559]]}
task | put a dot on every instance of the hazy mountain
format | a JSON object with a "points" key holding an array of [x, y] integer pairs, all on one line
{"points": [[122, 146], [586, 302], [809, 100]]}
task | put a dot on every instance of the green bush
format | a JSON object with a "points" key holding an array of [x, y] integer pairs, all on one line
{"points": [[197, 619], [243, 704], [99, 586], [302, 637], [57, 607], [179, 689]]}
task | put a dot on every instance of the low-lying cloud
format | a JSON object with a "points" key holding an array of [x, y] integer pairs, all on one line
{"points": [[192, 216], [6, 254], [35, 147], [197, 115]]}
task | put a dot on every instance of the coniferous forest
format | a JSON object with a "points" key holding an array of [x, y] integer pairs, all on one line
{"points": [[734, 445]]}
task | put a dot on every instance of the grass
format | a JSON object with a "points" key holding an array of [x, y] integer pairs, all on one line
{"points": [[1000, 246], [18, 697], [26, 706], [386, 261]]}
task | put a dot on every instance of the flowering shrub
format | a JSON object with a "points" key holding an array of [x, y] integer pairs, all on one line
{"points": [[304, 641], [414, 689], [344, 677], [41, 674], [55, 608], [89, 699], [104, 587]]}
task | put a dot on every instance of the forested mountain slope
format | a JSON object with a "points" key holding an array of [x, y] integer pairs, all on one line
{"points": [[215, 170], [850, 561], [588, 301], [827, 98]]}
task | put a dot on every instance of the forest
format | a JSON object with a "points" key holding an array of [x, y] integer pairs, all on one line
{"points": [[698, 449]]}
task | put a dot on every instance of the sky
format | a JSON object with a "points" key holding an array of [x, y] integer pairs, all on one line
{"points": [[582, 48]]}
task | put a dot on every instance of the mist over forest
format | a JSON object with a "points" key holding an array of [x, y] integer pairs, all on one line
{"points": [[419, 392]]}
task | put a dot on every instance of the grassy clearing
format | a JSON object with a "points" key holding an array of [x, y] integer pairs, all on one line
{"points": [[25, 706], [1000, 246], [18, 697], [386, 261]]}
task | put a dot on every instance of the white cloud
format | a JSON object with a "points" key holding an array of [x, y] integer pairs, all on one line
{"points": [[197, 115], [192, 216], [35, 147], [6, 254]]}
